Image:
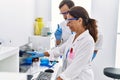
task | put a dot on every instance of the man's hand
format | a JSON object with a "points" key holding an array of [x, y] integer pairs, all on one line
{"points": [[58, 33]]}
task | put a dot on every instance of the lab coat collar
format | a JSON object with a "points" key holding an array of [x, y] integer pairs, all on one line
{"points": [[82, 35]]}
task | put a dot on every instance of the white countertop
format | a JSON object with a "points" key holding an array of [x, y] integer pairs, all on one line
{"points": [[6, 52], [12, 76]]}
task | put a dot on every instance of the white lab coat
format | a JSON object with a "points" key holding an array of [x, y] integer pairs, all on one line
{"points": [[79, 67], [66, 32]]}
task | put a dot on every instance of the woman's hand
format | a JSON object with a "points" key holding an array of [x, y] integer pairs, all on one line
{"points": [[59, 78]]}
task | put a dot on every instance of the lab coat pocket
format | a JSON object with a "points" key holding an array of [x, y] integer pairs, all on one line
{"points": [[71, 56]]}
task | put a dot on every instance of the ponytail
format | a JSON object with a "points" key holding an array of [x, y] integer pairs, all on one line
{"points": [[92, 27], [88, 23]]}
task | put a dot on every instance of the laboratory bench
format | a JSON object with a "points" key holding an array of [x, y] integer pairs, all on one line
{"points": [[36, 70], [39, 43]]}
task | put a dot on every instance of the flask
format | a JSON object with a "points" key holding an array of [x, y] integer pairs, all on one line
{"points": [[39, 24]]}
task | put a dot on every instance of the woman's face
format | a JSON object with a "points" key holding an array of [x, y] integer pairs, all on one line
{"points": [[73, 23]]}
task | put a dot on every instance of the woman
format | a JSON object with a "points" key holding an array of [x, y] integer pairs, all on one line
{"points": [[79, 47]]}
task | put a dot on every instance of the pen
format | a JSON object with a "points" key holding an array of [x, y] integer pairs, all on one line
{"points": [[67, 53]]}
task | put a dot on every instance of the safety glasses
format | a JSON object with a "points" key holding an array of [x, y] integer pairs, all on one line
{"points": [[70, 19], [63, 13]]}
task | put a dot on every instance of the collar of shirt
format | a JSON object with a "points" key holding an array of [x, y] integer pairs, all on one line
{"points": [[82, 35]]}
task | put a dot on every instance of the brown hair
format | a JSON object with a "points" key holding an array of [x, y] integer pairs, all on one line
{"points": [[69, 3], [88, 23]]}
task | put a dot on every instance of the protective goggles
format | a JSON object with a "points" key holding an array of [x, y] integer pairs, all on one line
{"points": [[63, 13], [70, 19]]}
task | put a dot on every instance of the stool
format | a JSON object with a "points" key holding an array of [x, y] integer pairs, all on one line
{"points": [[112, 72]]}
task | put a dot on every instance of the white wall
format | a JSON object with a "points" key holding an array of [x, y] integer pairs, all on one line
{"points": [[105, 11], [16, 20], [118, 41], [43, 9], [17, 17]]}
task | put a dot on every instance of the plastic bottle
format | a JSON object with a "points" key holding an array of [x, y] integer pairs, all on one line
{"points": [[39, 24]]}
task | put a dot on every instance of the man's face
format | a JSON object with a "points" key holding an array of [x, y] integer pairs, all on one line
{"points": [[64, 10]]}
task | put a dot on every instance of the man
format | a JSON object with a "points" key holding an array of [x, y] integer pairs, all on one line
{"points": [[63, 32]]}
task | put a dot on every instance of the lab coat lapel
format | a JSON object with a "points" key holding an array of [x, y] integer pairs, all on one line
{"points": [[80, 37]]}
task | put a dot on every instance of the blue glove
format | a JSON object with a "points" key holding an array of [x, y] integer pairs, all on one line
{"points": [[94, 55], [44, 62], [31, 52], [35, 54], [58, 33], [28, 61]]}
